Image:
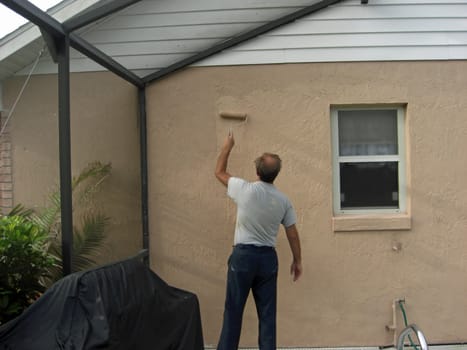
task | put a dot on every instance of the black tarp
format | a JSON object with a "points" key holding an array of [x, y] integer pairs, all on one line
{"points": [[119, 306]]}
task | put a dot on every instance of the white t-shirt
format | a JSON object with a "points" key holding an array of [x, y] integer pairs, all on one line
{"points": [[261, 208]]}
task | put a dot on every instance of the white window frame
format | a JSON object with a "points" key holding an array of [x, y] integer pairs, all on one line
{"points": [[400, 158]]}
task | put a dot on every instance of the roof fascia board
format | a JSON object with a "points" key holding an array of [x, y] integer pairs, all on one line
{"points": [[239, 39], [93, 14], [27, 37]]}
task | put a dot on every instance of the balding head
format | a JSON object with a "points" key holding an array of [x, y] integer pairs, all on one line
{"points": [[268, 166]]}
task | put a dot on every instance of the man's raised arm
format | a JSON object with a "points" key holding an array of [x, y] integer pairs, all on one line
{"points": [[221, 167]]}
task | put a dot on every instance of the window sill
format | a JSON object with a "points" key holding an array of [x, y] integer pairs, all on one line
{"points": [[379, 222]]}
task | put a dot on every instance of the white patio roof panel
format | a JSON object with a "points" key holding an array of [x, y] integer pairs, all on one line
{"points": [[152, 34]]}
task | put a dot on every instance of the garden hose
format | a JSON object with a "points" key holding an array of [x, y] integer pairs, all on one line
{"points": [[401, 302]]}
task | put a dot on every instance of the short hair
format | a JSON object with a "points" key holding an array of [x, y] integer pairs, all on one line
{"points": [[268, 166]]}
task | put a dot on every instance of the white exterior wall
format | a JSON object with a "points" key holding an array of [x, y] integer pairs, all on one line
{"points": [[151, 35], [383, 30]]}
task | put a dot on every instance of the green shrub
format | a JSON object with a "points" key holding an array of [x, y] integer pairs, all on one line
{"points": [[24, 262], [89, 231], [30, 242]]}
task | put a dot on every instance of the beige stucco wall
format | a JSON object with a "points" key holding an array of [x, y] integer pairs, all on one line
{"points": [[104, 127], [351, 278]]}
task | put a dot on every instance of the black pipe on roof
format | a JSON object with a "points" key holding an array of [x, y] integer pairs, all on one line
{"points": [[239, 39]]}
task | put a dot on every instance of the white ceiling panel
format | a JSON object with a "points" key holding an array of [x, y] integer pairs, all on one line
{"points": [[150, 34], [154, 34]]}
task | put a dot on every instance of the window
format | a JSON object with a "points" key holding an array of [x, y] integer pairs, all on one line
{"points": [[368, 160]]}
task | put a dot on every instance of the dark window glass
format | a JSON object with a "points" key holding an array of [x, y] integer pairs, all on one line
{"points": [[369, 185]]}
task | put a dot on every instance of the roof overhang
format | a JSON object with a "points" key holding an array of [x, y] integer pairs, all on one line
{"points": [[20, 48]]}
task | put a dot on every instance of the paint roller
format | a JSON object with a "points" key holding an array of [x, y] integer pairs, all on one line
{"points": [[229, 115]]}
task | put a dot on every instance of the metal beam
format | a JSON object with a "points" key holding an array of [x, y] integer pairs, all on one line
{"points": [[55, 29], [93, 14], [64, 143], [52, 43], [35, 15], [144, 168], [239, 39], [104, 60]]}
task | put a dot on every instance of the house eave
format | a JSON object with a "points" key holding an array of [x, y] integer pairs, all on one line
{"points": [[27, 36]]}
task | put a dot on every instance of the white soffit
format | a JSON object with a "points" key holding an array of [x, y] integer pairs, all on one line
{"points": [[151, 35]]}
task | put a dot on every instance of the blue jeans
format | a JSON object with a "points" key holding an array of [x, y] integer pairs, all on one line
{"points": [[255, 268]]}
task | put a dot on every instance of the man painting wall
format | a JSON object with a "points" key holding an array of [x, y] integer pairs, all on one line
{"points": [[253, 264]]}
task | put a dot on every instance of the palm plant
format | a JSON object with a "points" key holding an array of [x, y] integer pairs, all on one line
{"points": [[88, 234], [87, 243]]}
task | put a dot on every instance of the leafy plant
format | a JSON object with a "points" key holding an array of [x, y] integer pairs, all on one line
{"points": [[24, 263], [89, 234], [87, 243], [30, 242], [21, 210]]}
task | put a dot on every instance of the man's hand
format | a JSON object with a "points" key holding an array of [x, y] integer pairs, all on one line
{"points": [[296, 270], [221, 167], [229, 142]]}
